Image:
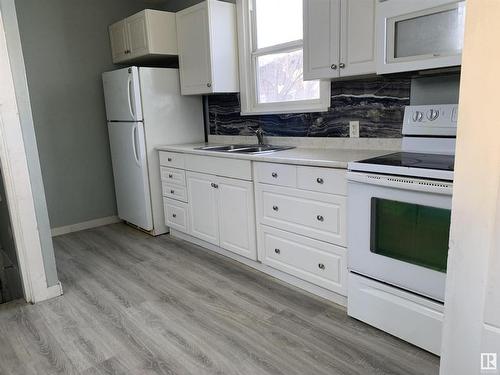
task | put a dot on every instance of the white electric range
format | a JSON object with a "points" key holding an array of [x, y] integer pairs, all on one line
{"points": [[399, 208]]}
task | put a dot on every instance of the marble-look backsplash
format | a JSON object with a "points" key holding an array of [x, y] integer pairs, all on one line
{"points": [[377, 103]]}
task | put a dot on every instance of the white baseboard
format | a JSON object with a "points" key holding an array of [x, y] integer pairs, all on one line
{"points": [[85, 225], [281, 276]]}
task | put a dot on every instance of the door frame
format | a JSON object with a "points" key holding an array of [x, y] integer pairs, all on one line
{"points": [[26, 226]]}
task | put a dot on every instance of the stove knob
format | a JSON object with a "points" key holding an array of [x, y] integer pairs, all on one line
{"points": [[432, 114], [417, 116]]}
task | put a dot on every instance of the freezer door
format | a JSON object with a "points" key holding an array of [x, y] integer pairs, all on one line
{"points": [[122, 94], [128, 153]]}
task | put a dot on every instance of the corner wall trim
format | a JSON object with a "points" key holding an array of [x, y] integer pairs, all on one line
{"points": [[85, 225]]}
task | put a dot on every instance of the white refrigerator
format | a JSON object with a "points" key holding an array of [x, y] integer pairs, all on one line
{"points": [[145, 109]]}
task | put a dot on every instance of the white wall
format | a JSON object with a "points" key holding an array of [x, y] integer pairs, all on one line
{"points": [[472, 306]]}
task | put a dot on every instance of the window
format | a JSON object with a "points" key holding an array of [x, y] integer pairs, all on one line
{"points": [[271, 73]]}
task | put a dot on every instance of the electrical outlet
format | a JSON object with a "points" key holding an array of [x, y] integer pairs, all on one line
{"points": [[354, 129]]}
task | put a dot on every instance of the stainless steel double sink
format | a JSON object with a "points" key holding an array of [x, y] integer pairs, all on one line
{"points": [[245, 149]]}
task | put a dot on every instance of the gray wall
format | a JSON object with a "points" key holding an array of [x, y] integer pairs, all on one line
{"points": [[66, 48]]}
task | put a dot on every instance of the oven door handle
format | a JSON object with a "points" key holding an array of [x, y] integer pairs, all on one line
{"points": [[405, 183]]}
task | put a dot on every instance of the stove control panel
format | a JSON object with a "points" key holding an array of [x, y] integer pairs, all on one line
{"points": [[431, 120]]}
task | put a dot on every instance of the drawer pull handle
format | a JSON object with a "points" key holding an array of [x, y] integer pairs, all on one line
{"points": [[169, 159], [321, 266], [274, 174], [277, 251], [319, 180], [320, 218], [170, 176], [174, 215], [275, 208], [172, 191], [215, 186]]}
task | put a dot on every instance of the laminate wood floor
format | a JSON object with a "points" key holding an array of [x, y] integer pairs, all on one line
{"points": [[135, 304]]}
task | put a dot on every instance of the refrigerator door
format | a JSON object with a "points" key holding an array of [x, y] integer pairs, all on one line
{"points": [[122, 94], [130, 170]]}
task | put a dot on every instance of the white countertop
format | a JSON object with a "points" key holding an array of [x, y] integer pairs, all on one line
{"points": [[320, 157]]}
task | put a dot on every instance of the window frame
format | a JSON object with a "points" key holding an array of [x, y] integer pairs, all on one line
{"points": [[247, 37]]}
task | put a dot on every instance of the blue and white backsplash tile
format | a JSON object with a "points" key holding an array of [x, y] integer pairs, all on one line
{"points": [[378, 104]]}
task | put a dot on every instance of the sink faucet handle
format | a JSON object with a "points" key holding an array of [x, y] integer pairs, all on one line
{"points": [[260, 135]]}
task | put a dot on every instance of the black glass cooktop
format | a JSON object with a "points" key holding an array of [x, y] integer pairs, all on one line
{"points": [[415, 160]]}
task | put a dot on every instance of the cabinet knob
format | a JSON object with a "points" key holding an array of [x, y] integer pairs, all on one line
{"points": [[215, 186], [209, 84], [169, 159], [170, 176], [341, 65], [172, 191], [275, 208], [320, 218], [319, 180], [321, 266], [277, 251], [174, 215], [334, 66], [274, 174]]}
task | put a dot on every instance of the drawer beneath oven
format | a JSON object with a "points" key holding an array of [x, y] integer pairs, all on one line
{"points": [[316, 215], [314, 261]]}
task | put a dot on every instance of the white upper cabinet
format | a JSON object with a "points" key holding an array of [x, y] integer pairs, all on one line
{"points": [[339, 38], [119, 41], [208, 49], [357, 37], [147, 34], [321, 39]]}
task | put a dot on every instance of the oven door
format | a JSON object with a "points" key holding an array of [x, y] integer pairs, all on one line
{"points": [[398, 231], [418, 35]]}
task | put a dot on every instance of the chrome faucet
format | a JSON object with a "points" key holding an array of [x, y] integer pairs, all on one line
{"points": [[260, 135]]}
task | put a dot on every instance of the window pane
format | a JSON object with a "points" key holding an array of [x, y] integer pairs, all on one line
{"points": [[278, 21], [411, 233], [279, 78]]}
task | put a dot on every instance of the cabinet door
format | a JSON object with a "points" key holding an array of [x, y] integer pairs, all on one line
{"points": [[137, 34], [237, 217], [321, 38], [119, 41], [193, 40], [202, 198], [357, 46]]}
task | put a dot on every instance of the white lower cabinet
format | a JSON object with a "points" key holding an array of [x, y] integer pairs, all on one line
{"points": [[301, 222], [176, 215], [221, 212], [292, 219], [203, 215], [315, 261], [237, 217]]}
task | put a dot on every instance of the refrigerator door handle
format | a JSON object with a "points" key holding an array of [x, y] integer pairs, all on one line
{"points": [[129, 95], [134, 146]]}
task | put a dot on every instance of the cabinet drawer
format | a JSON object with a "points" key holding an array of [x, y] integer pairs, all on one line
{"points": [[314, 261], [276, 174], [220, 166], [173, 176], [325, 180], [174, 192], [316, 215], [172, 159], [176, 214]]}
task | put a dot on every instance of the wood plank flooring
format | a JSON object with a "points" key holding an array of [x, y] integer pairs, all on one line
{"points": [[135, 304]]}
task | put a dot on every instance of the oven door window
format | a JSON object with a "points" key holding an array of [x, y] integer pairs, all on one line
{"points": [[410, 232]]}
